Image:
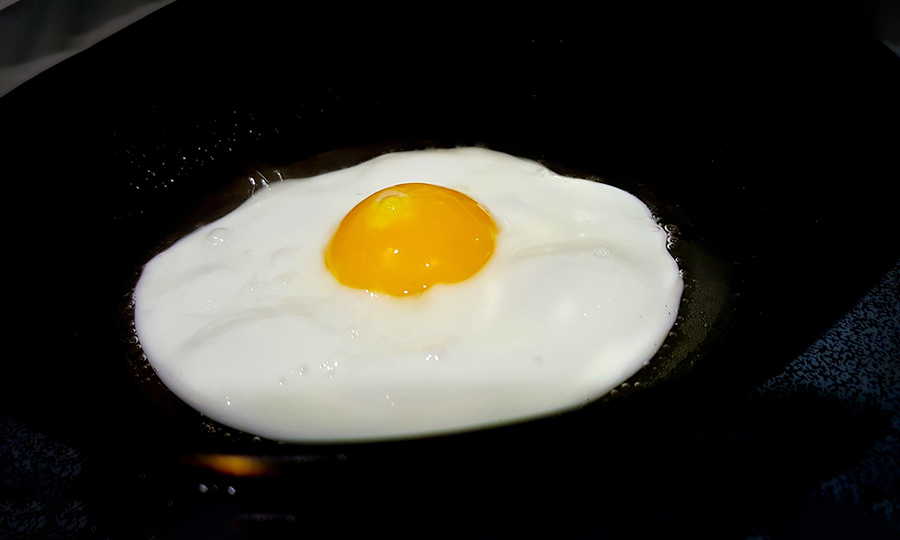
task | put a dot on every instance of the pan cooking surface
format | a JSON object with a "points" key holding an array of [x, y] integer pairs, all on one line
{"points": [[141, 152]]}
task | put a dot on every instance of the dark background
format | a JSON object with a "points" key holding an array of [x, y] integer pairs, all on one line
{"points": [[773, 126]]}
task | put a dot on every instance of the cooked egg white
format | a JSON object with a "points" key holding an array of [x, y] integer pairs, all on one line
{"points": [[244, 320]]}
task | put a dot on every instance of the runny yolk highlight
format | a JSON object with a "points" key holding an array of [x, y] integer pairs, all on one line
{"points": [[404, 239]]}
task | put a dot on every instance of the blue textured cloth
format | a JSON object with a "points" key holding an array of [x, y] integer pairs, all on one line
{"points": [[37, 475], [856, 367]]}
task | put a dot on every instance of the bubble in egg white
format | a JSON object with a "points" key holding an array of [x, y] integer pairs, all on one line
{"points": [[243, 321]]}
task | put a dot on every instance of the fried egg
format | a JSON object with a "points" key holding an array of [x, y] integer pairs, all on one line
{"points": [[418, 293]]}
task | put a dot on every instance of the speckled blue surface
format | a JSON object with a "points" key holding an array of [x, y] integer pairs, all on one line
{"points": [[856, 366], [37, 474]]}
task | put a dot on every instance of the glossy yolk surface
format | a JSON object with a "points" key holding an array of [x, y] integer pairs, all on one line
{"points": [[404, 239]]}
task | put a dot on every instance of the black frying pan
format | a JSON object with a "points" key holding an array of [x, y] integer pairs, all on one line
{"points": [[740, 145]]}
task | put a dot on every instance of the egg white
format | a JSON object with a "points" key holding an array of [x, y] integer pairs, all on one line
{"points": [[242, 320]]}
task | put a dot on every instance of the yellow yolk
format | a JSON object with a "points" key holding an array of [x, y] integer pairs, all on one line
{"points": [[404, 239]]}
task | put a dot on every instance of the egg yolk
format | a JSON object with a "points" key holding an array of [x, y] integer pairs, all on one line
{"points": [[403, 239]]}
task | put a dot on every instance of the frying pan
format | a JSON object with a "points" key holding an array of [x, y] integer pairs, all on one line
{"points": [[745, 146]]}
